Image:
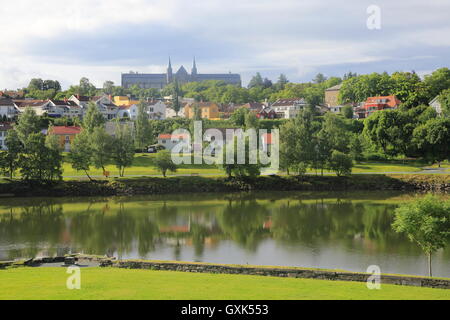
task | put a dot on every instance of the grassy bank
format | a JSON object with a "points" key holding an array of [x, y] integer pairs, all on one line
{"points": [[144, 164], [111, 283], [155, 185]]}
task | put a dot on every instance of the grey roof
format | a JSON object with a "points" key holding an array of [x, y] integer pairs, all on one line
{"points": [[336, 87]]}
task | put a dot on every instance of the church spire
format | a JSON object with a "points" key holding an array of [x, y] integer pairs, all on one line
{"points": [[169, 72], [194, 70]]}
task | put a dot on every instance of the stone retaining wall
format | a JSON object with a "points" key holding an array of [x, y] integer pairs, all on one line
{"points": [[279, 272]]}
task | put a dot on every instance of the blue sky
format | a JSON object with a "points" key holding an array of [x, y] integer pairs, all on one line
{"points": [[99, 39]]}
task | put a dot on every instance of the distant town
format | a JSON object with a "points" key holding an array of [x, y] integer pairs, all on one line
{"points": [[218, 98]]}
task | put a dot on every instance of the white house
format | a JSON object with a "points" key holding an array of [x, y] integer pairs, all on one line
{"points": [[436, 105], [170, 113], [64, 108], [156, 110], [288, 108], [8, 109], [168, 141], [39, 106], [104, 103]]}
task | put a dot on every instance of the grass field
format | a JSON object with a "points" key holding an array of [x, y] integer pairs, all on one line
{"points": [[111, 283], [144, 165]]}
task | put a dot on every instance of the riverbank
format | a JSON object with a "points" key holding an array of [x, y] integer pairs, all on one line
{"points": [[155, 185], [114, 283]]}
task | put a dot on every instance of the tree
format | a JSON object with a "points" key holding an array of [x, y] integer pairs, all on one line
{"points": [[438, 81], [319, 78], [256, 81], [123, 148], [341, 163], [425, 221], [239, 115], [282, 81], [93, 118], [41, 159], [108, 87], [164, 163], [251, 121], [391, 130], [347, 112], [240, 169], [289, 148], [80, 156], [433, 139], [444, 100], [10, 158], [54, 156], [356, 147], [143, 132], [101, 143], [86, 88], [28, 124]]}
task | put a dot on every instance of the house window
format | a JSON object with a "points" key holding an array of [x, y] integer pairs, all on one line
{"points": [[163, 141]]}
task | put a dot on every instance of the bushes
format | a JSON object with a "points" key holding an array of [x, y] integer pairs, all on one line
{"points": [[341, 163]]}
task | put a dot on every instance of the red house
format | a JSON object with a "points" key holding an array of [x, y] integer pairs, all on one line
{"points": [[266, 113], [374, 104]]}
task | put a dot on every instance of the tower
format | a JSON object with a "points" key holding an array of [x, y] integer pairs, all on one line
{"points": [[194, 71], [169, 72]]}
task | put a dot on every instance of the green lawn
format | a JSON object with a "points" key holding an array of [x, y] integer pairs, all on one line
{"points": [[112, 283], [144, 165]]}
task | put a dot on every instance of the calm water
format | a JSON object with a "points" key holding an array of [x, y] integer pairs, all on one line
{"points": [[323, 230]]}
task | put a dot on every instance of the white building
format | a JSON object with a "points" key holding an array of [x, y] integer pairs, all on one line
{"points": [[8, 109], [104, 103], [168, 141], [288, 108], [39, 106], [436, 105], [156, 110], [64, 108]]}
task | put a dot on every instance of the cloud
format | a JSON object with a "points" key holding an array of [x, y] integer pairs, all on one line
{"points": [[67, 40]]}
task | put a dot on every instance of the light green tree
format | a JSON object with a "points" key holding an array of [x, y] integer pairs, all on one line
{"points": [[80, 156], [93, 118], [340, 163], [164, 163], [101, 144], [10, 158], [425, 221], [28, 124], [142, 125], [123, 148]]}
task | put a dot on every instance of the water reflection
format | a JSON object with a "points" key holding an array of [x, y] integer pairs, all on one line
{"points": [[312, 230]]}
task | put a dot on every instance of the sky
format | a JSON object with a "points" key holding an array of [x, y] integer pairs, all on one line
{"points": [[100, 39]]}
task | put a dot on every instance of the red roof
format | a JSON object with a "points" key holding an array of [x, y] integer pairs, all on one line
{"points": [[64, 130], [390, 101], [168, 136]]}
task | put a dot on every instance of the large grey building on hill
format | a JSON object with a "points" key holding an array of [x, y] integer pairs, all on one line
{"points": [[160, 80]]}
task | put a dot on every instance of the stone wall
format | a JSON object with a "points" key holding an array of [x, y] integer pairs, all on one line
{"points": [[279, 272]]}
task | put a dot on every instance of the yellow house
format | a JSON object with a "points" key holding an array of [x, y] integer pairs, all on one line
{"points": [[124, 101], [208, 110], [65, 135]]}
